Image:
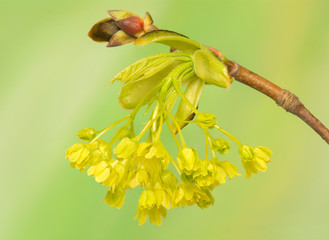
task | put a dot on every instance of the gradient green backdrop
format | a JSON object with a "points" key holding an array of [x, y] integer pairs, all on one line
{"points": [[52, 85]]}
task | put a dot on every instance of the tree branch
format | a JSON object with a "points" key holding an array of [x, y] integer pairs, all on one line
{"points": [[282, 97]]}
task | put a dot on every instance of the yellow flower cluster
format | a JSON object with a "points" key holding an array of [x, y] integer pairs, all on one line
{"points": [[132, 163], [129, 160]]}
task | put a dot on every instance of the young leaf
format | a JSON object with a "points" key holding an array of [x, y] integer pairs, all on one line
{"points": [[133, 92], [210, 69], [169, 38], [148, 66], [170, 98]]}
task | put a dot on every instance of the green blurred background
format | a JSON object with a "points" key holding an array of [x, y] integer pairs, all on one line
{"points": [[52, 85]]}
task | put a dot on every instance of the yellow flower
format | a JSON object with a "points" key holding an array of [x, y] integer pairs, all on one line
{"points": [[157, 81], [213, 173], [152, 203], [229, 168], [115, 198], [154, 150], [205, 176], [79, 156], [147, 165], [101, 151], [188, 160], [190, 194], [139, 177], [125, 148], [109, 173], [254, 159], [168, 179], [154, 215], [221, 145], [101, 171], [206, 120]]}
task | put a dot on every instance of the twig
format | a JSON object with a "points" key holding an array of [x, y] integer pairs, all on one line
{"points": [[285, 99]]}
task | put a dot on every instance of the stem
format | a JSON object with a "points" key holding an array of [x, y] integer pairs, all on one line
{"points": [[173, 134], [142, 133], [109, 127], [175, 164], [212, 150], [179, 130], [157, 137], [207, 146], [229, 135], [282, 97]]}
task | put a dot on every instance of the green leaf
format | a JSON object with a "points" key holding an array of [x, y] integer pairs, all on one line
{"points": [[171, 98], [133, 92], [169, 38], [192, 93], [210, 69], [148, 66]]}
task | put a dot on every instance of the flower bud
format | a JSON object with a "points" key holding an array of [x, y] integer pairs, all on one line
{"points": [[210, 69], [124, 27], [188, 160], [254, 159], [115, 198], [206, 120], [131, 25], [246, 152], [86, 134], [220, 145]]}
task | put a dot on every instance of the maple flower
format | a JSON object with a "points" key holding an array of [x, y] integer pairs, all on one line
{"points": [[254, 159], [133, 159]]}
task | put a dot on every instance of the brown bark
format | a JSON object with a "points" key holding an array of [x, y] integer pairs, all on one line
{"points": [[282, 97]]}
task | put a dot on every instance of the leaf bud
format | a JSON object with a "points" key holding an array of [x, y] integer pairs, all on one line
{"points": [[86, 134]]}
